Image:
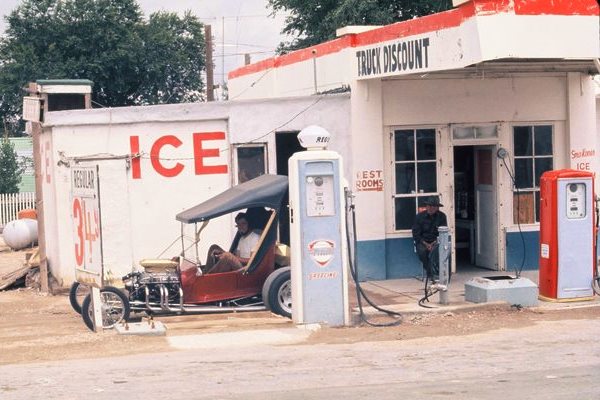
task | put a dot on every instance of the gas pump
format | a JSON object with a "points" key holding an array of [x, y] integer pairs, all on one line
{"points": [[567, 234], [317, 232]]}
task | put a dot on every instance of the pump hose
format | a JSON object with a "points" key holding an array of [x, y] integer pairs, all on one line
{"points": [[354, 272], [427, 291]]}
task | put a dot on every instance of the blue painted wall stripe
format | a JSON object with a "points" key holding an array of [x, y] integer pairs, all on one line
{"points": [[396, 258]]}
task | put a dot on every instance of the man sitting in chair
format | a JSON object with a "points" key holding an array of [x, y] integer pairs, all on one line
{"points": [[425, 234], [219, 260]]}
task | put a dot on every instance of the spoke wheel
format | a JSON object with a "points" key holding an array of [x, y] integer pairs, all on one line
{"points": [[114, 305]]}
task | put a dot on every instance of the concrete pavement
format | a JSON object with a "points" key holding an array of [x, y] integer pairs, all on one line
{"points": [[402, 295]]}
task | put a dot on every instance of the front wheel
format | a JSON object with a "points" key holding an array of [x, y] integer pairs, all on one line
{"points": [[277, 292], [114, 305]]}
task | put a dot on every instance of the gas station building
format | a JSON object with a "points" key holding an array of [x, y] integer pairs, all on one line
{"points": [[472, 104]]}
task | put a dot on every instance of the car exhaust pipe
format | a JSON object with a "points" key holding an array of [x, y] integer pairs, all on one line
{"points": [[186, 308], [192, 308]]}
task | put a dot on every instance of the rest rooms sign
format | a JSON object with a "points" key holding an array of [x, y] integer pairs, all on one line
{"points": [[85, 214]]}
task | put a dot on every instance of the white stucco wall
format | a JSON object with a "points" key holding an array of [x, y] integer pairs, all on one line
{"points": [[581, 128], [138, 204], [333, 71]]}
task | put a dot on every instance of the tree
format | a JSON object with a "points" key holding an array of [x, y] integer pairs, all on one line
{"points": [[10, 168], [174, 59], [130, 60], [312, 22]]}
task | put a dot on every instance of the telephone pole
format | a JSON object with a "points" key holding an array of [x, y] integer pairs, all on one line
{"points": [[208, 42]]}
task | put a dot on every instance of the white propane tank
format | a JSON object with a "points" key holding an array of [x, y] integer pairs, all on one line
{"points": [[20, 233]]}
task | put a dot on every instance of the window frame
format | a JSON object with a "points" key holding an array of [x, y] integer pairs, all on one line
{"points": [[415, 162], [534, 190], [235, 158]]}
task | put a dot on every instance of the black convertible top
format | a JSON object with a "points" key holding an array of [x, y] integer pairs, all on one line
{"points": [[264, 191]]}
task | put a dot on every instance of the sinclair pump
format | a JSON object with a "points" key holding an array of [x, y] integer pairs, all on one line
{"points": [[318, 232], [567, 235]]}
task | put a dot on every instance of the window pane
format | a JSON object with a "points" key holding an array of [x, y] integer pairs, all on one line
{"points": [[404, 141], [425, 144], [523, 140], [427, 182], [251, 163], [463, 132], [405, 178], [523, 208], [405, 212], [483, 132], [541, 165], [543, 140], [524, 173]]}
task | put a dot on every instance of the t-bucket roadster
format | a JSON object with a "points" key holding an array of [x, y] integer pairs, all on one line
{"points": [[180, 285]]}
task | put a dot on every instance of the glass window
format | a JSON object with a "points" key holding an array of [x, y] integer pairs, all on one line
{"points": [[415, 172], [533, 156], [404, 145], [251, 162], [475, 132]]}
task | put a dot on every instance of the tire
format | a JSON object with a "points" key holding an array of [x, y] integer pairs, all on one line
{"points": [[115, 308], [277, 292], [77, 294]]}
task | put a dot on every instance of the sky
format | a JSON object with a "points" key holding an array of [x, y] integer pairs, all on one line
{"points": [[247, 25]]}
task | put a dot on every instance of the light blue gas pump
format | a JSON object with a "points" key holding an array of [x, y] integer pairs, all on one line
{"points": [[318, 232]]}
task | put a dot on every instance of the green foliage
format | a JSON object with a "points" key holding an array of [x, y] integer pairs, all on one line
{"points": [[174, 59], [312, 22], [130, 60], [10, 169]]}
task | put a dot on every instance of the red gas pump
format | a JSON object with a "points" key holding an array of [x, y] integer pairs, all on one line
{"points": [[567, 235]]}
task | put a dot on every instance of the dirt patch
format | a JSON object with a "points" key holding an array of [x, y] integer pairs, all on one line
{"points": [[455, 323], [36, 327]]}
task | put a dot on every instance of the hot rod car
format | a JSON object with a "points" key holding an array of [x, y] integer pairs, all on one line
{"points": [[180, 285]]}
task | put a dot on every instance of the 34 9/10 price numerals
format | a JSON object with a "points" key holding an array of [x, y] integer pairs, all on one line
{"points": [[87, 226]]}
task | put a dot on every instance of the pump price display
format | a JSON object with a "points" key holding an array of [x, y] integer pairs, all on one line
{"points": [[319, 196], [85, 211]]}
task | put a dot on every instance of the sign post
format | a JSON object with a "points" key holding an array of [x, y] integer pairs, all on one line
{"points": [[87, 234]]}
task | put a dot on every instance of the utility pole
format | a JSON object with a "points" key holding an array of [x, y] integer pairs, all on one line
{"points": [[223, 58], [208, 43]]}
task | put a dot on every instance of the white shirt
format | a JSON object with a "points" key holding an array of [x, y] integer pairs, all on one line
{"points": [[247, 245]]}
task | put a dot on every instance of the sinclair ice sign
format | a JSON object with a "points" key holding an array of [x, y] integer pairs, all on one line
{"points": [[85, 214]]}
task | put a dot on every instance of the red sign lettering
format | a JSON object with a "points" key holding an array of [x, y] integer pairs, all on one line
{"points": [[155, 156], [201, 153]]}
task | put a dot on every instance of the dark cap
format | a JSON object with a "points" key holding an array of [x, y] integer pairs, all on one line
{"points": [[433, 201]]}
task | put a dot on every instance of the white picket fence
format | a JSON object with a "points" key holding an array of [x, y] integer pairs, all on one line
{"points": [[12, 203]]}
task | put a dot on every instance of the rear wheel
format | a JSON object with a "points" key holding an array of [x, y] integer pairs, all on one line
{"points": [[77, 295], [277, 292], [114, 305]]}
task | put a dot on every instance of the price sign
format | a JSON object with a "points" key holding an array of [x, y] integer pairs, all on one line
{"points": [[87, 229]]}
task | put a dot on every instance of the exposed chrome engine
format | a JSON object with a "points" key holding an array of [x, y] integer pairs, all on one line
{"points": [[161, 292], [154, 291]]}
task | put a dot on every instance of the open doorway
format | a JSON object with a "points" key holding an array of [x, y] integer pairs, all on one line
{"points": [[475, 207], [286, 144], [464, 206]]}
